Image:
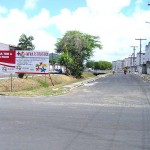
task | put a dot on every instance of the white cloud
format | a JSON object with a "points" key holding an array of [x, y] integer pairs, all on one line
{"points": [[43, 40], [29, 4], [104, 18], [117, 32], [17, 22], [42, 20]]}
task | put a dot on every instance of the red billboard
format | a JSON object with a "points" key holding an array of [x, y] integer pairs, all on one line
{"points": [[7, 56]]}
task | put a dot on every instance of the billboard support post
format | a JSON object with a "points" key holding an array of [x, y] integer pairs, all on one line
{"points": [[11, 89]]}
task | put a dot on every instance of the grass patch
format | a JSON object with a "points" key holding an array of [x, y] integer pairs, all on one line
{"points": [[43, 83], [39, 85], [86, 75]]}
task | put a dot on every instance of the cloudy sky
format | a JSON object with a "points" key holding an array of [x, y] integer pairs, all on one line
{"points": [[117, 22]]}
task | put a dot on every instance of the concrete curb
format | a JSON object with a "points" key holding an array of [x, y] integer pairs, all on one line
{"points": [[82, 83]]}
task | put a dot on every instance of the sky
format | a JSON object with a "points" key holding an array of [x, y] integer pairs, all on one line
{"points": [[117, 22]]}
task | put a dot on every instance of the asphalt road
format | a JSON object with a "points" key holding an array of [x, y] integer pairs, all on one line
{"points": [[112, 113]]}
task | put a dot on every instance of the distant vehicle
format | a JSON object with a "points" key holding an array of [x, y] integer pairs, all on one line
{"points": [[56, 71], [89, 69], [97, 72]]}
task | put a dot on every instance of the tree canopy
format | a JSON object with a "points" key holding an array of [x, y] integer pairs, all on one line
{"points": [[90, 64], [25, 43], [102, 65], [76, 47]]}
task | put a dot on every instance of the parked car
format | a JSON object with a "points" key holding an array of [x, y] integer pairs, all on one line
{"points": [[56, 71]]}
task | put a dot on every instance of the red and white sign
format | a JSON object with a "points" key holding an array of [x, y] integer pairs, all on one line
{"points": [[7, 56], [24, 61], [7, 61]]}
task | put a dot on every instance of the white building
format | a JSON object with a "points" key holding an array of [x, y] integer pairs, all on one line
{"points": [[147, 52], [133, 61], [7, 47], [140, 63], [127, 62], [114, 65], [4, 46], [140, 59], [147, 57], [117, 65]]}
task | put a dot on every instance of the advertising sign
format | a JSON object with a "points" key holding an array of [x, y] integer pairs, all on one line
{"points": [[24, 61], [7, 61], [32, 62], [6, 69], [7, 56]]}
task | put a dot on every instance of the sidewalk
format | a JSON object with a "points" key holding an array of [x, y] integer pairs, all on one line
{"points": [[146, 77]]}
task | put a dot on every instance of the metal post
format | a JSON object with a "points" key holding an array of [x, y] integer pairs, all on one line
{"points": [[11, 86]]}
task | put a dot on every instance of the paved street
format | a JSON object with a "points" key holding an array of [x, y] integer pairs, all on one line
{"points": [[112, 113]]}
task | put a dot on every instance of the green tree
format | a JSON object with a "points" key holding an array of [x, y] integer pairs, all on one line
{"points": [[96, 65], [80, 47], [103, 65], [25, 43], [66, 60], [90, 64]]}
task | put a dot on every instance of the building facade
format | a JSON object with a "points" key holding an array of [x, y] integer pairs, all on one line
{"points": [[140, 59], [139, 63], [117, 65], [4, 46], [7, 47], [147, 52]]}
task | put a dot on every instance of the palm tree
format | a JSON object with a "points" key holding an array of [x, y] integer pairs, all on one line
{"points": [[25, 43]]}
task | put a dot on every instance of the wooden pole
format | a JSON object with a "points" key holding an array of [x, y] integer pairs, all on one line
{"points": [[45, 77], [51, 79]]}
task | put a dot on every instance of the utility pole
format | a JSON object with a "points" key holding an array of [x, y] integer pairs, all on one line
{"points": [[130, 61], [134, 48], [140, 49]]}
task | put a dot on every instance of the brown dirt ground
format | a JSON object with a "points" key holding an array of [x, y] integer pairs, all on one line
{"points": [[17, 84]]}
